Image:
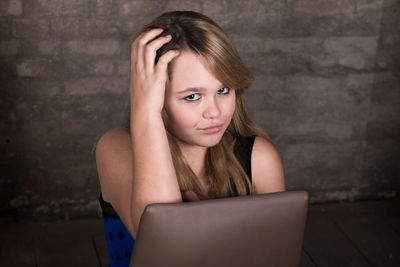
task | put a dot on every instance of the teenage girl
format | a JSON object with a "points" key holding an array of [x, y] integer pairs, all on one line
{"points": [[188, 137]]}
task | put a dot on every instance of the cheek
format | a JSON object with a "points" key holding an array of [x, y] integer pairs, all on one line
{"points": [[181, 116], [230, 106]]}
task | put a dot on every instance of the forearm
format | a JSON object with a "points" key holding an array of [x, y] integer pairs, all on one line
{"points": [[154, 176]]}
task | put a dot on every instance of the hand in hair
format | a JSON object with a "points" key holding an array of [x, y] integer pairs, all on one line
{"points": [[148, 79]]}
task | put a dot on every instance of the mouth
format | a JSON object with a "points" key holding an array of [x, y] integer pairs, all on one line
{"points": [[213, 128]]}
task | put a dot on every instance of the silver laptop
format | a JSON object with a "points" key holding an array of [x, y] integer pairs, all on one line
{"points": [[245, 231]]}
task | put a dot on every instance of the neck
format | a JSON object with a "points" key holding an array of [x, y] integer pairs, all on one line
{"points": [[195, 156]]}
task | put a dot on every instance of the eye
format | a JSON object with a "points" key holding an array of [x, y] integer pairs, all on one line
{"points": [[224, 90], [192, 97]]}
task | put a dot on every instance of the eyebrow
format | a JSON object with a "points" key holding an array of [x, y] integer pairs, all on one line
{"points": [[197, 89]]}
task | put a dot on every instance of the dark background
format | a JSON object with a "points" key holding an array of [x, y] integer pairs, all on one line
{"points": [[327, 90]]}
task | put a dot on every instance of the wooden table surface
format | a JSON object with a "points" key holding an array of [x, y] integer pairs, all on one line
{"points": [[355, 234]]}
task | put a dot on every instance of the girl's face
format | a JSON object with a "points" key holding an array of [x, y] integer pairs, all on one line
{"points": [[199, 107]]}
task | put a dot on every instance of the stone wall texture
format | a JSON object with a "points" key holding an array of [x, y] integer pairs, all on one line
{"points": [[327, 90]]}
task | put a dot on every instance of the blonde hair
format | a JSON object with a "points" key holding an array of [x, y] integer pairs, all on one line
{"points": [[197, 33]]}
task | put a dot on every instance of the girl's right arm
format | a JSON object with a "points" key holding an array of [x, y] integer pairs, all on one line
{"points": [[151, 177], [154, 176]]}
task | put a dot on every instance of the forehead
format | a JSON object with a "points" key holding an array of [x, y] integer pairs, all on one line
{"points": [[190, 70]]}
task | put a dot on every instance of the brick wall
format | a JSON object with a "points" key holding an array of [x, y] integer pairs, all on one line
{"points": [[327, 90]]}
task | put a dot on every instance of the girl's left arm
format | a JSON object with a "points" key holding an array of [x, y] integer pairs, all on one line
{"points": [[266, 167]]}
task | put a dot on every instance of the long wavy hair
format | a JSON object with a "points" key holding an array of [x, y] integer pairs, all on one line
{"points": [[195, 32]]}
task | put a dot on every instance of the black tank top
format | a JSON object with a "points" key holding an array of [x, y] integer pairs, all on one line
{"points": [[242, 150]]}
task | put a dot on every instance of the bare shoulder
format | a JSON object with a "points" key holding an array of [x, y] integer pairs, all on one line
{"points": [[114, 163], [117, 138], [266, 166]]}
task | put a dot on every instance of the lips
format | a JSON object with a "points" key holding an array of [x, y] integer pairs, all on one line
{"points": [[213, 126], [213, 129]]}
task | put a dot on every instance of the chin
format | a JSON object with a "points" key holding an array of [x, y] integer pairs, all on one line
{"points": [[208, 144], [202, 141], [210, 141]]}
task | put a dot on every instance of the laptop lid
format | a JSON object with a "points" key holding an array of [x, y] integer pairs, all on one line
{"points": [[256, 230]]}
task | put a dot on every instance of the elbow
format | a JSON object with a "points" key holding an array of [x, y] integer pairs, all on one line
{"points": [[281, 187], [136, 215], [138, 209], [133, 228], [134, 225]]}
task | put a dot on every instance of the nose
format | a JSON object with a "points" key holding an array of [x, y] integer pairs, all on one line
{"points": [[212, 109]]}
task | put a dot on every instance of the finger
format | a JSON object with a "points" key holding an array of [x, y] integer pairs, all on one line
{"points": [[137, 49], [162, 64], [151, 50], [146, 37]]}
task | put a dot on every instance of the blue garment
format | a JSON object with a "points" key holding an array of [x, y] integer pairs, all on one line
{"points": [[120, 243]]}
